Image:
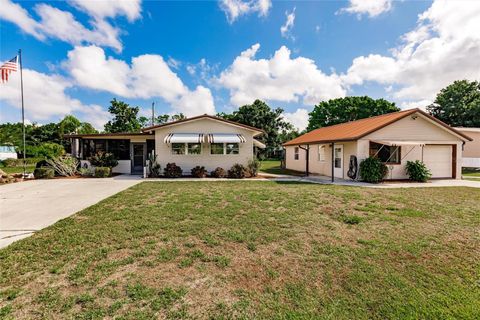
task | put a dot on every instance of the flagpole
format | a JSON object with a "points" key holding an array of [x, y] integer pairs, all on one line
{"points": [[23, 112]]}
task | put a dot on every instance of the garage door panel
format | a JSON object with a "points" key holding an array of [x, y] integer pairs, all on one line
{"points": [[439, 160]]}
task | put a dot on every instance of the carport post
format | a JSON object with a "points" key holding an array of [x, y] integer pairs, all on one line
{"points": [[333, 161]]}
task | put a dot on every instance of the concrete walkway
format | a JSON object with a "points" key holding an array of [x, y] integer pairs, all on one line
{"points": [[26, 207], [384, 185]]}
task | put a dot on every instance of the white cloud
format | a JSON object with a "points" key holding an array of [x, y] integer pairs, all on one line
{"points": [[14, 13], [110, 8], [45, 97], [286, 29], [371, 7], [444, 47], [236, 8], [299, 118], [59, 24], [280, 78], [62, 25], [147, 76]]}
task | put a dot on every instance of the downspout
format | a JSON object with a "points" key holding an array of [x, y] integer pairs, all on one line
{"points": [[307, 151], [333, 161]]}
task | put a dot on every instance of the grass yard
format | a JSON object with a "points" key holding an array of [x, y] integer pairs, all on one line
{"points": [[471, 172], [273, 167], [263, 250]]}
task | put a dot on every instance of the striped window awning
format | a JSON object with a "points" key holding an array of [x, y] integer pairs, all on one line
{"points": [[184, 138], [225, 138]]}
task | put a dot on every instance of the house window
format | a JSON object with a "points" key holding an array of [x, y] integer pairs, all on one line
{"points": [[178, 148], [194, 148], [224, 148], [120, 148], [386, 154], [321, 153], [297, 153], [232, 148], [186, 148], [216, 148]]}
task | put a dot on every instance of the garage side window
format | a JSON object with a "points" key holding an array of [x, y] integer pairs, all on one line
{"points": [[386, 154], [321, 153], [296, 153]]}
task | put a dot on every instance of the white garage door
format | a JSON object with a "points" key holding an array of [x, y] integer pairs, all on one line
{"points": [[439, 160]]}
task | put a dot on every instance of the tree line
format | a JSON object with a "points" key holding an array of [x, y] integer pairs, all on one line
{"points": [[457, 105]]}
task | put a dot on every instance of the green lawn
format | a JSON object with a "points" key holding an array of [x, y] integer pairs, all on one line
{"points": [[263, 250], [273, 167], [17, 169], [471, 172]]}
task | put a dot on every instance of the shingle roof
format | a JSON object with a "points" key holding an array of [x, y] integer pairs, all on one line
{"points": [[355, 130], [201, 117]]}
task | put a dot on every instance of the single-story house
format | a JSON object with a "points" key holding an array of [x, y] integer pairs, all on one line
{"points": [[471, 152], [395, 138], [198, 141]]}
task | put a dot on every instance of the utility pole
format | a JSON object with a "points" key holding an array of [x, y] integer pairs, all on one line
{"points": [[153, 113]]}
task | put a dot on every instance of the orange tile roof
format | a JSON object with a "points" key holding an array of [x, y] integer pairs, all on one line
{"points": [[355, 130]]}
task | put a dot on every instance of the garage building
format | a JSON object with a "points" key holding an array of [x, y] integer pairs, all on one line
{"points": [[395, 138]]}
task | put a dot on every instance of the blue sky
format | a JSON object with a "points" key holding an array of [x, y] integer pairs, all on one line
{"points": [[205, 57]]}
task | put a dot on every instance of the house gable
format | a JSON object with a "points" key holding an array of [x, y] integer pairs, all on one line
{"points": [[414, 127]]}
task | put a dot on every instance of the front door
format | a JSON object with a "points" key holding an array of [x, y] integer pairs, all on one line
{"points": [[338, 161], [138, 157]]}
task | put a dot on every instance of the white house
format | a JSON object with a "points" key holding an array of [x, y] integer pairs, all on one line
{"points": [[199, 141], [395, 138], [471, 152]]}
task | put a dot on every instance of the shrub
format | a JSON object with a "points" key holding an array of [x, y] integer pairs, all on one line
{"points": [[154, 166], [237, 171], [41, 163], [172, 171], [253, 167], [218, 173], [45, 150], [199, 172], [86, 172], [373, 170], [11, 162], [417, 171], [64, 166], [103, 159], [43, 173], [102, 172]]}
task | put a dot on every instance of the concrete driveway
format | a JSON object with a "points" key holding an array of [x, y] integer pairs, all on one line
{"points": [[27, 207]]}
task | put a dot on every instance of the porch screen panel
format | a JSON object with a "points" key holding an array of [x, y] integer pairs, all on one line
{"points": [[120, 148]]}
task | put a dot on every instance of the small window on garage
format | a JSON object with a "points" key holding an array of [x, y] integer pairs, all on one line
{"points": [[321, 153], [386, 154], [297, 153]]}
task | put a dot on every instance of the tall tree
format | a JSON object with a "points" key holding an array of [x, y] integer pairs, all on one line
{"points": [[124, 118], [458, 104], [161, 119], [260, 115], [340, 110]]}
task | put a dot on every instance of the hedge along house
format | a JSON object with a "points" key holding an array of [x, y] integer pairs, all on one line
{"points": [[198, 141], [395, 138]]}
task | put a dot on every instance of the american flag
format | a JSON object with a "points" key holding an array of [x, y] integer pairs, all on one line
{"points": [[8, 67]]}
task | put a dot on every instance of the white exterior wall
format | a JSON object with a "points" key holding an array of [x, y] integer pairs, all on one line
{"points": [[124, 166], [323, 168], [407, 129], [471, 151], [209, 161]]}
